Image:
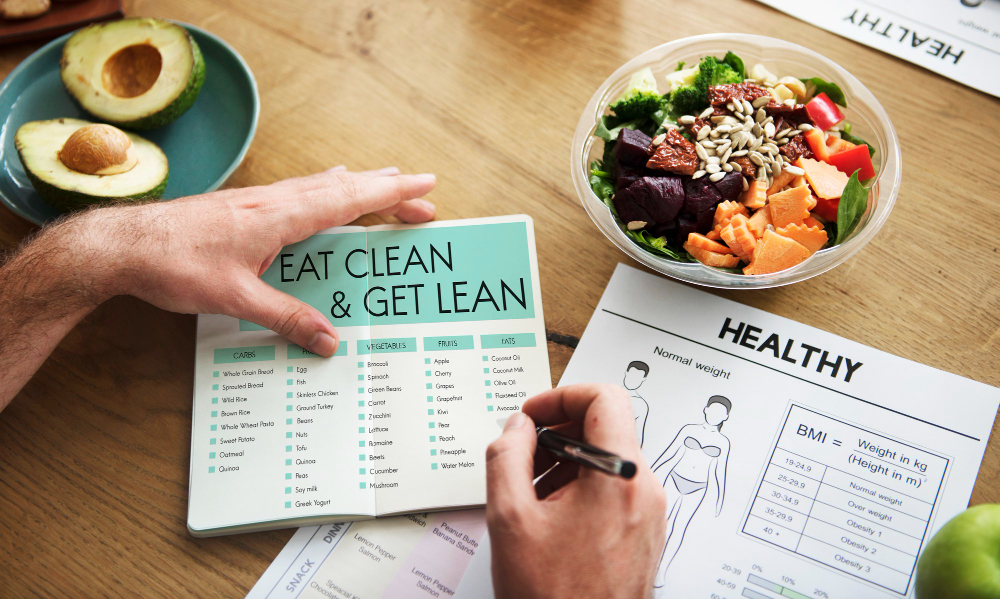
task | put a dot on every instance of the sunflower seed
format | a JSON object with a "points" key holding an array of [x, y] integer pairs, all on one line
{"points": [[783, 133], [705, 113], [712, 168], [790, 102], [698, 174], [703, 133], [747, 108], [726, 167], [713, 160], [723, 129], [794, 170], [805, 127], [756, 159], [746, 185], [769, 148], [687, 119], [760, 116], [769, 129], [737, 167], [659, 139], [708, 143], [770, 228], [730, 107], [747, 126], [761, 101], [716, 176], [700, 150], [776, 169], [717, 119], [739, 153], [757, 130], [725, 157]]}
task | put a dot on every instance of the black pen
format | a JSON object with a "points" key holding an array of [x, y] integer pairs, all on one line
{"points": [[584, 454]]}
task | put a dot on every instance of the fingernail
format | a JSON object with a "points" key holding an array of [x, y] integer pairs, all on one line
{"points": [[323, 344], [429, 206], [426, 177], [339, 168], [516, 420], [389, 170]]}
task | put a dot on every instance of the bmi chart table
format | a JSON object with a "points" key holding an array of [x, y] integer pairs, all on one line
{"points": [[848, 498]]}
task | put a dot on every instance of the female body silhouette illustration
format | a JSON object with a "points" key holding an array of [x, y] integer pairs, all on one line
{"points": [[694, 461]]}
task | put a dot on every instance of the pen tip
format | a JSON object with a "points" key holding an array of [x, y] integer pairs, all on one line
{"points": [[628, 469]]}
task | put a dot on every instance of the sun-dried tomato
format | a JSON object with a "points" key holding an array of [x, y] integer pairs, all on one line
{"points": [[676, 155]]}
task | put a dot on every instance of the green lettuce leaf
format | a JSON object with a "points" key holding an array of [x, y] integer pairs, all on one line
{"points": [[737, 63], [854, 139], [829, 88]]}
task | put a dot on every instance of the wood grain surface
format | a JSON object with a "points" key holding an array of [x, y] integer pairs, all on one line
{"points": [[94, 451]]}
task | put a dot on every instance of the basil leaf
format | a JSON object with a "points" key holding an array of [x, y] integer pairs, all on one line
{"points": [[657, 245], [854, 139], [600, 183], [853, 202], [608, 127], [830, 89], [737, 63]]}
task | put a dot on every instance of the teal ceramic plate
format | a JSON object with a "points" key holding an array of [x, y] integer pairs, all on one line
{"points": [[204, 146]]}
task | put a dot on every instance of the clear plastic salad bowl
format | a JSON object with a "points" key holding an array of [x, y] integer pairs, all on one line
{"points": [[782, 58]]}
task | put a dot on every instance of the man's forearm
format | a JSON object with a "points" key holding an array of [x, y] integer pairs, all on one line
{"points": [[46, 288]]}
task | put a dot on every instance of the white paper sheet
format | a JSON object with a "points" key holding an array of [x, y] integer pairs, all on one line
{"points": [[837, 461], [959, 39]]}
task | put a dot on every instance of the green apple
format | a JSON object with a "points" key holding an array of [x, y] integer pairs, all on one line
{"points": [[962, 561]]}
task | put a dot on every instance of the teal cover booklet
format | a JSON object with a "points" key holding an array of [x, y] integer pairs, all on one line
{"points": [[441, 337]]}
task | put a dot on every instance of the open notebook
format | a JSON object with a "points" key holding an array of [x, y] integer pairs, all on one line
{"points": [[441, 336]]}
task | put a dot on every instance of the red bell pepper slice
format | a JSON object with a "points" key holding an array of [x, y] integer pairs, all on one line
{"points": [[817, 143], [855, 159], [827, 209], [823, 111]]}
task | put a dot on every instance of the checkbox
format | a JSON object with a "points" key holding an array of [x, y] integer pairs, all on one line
{"points": [[288, 504], [215, 387], [361, 471], [361, 364], [434, 452], [361, 443], [489, 396], [288, 435], [211, 455], [430, 398], [361, 457], [361, 377], [361, 403], [211, 441], [430, 425], [486, 370], [289, 382], [427, 373], [430, 411], [486, 358], [288, 476], [433, 439], [489, 408], [487, 383], [289, 395], [288, 408], [361, 416], [427, 360], [362, 485], [434, 466], [289, 369], [215, 400], [288, 448], [429, 386], [361, 389], [288, 420], [213, 428], [288, 462], [215, 414], [211, 469], [361, 429], [288, 490], [215, 374]]}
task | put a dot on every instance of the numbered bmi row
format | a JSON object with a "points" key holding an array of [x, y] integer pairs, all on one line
{"points": [[872, 562]]}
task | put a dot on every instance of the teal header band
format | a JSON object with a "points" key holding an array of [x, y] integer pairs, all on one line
{"points": [[232, 355], [297, 353], [387, 346], [502, 341], [408, 276], [448, 343]]}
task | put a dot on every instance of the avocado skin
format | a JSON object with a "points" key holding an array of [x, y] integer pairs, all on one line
{"points": [[180, 105], [67, 201]]}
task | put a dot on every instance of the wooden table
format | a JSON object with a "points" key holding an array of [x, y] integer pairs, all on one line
{"points": [[94, 466]]}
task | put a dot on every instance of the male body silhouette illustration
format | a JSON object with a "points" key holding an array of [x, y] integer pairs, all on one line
{"points": [[694, 461], [635, 376]]}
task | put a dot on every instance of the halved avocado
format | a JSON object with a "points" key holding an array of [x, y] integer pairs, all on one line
{"points": [[42, 147], [137, 73]]}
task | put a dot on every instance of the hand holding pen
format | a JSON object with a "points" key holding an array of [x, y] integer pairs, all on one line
{"points": [[577, 530]]}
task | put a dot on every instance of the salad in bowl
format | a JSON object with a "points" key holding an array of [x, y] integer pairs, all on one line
{"points": [[737, 166]]}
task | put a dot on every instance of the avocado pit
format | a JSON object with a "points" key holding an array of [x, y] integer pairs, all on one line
{"points": [[132, 71], [98, 150]]}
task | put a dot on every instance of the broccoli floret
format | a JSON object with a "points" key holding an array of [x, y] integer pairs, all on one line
{"points": [[641, 99], [691, 99]]}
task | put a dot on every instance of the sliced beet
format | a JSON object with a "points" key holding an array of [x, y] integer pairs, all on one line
{"points": [[700, 195], [628, 209], [686, 224], [705, 220], [666, 196], [730, 186], [625, 175], [632, 147]]}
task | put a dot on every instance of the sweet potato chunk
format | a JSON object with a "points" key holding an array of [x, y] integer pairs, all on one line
{"points": [[789, 206], [826, 180], [755, 196], [712, 258], [759, 221], [813, 238], [774, 253], [739, 238], [702, 242]]}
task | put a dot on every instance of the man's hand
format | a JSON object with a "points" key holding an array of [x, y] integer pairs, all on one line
{"points": [[201, 254], [578, 532]]}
